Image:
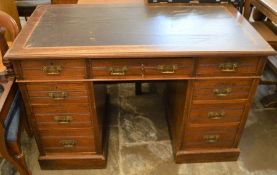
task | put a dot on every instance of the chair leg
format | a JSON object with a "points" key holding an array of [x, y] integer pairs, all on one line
{"points": [[20, 167], [18, 161], [138, 88], [270, 101], [21, 158]]}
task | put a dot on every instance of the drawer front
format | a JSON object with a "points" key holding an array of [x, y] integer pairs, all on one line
{"points": [[53, 70], [67, 141], [57, 93], [77, 86], [119, 69], [182, 67], [62, 109], [216, 113], [210, 137], [222, 89], [69, 120], [228, 66], [58, 97]]}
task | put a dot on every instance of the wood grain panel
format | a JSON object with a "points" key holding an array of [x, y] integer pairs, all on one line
{"points": [[68, 69], [82, 138], [194, 137], [61, 86], [43, 97], [216, 113], [226, 89], [49, 121], [243, 66], [120, 69], [182, 67], [62, 108]]}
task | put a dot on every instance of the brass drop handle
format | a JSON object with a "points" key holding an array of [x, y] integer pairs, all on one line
{"points": [[211, 138], [68, 143], [167, 69], [57, 95], [222, 92], [52, 69], [118, 71], [216, 115], [228, 67], [63, 119]]}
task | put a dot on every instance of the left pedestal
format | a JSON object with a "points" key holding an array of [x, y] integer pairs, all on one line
{"points": [[67, 115]]}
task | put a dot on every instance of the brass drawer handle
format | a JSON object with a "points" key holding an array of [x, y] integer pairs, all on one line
{"points": [[167, 69], [211, 138], [222, 92], [68, 143], [52, 69], [228, 67], [57, 95], [216, 115], [63, 119], [118, 71]]}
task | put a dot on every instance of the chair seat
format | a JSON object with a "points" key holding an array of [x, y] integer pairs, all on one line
{"points": [[31, 3], [13, 119]]}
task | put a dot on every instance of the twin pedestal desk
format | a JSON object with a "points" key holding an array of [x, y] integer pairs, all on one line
{"points": [[209, 56]]}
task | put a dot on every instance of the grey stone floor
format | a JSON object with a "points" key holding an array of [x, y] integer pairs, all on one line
{"points": [[139, 143]]}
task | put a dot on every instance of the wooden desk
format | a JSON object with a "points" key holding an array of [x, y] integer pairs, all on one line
{"points": [[212, 56]]}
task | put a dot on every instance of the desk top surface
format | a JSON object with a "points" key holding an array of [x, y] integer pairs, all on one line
{"points": [[104, 31]]}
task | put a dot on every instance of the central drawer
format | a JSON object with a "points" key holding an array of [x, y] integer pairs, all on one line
{"points": [[170, 68], [119, 69]]}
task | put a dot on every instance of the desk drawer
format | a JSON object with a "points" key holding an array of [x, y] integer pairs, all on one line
{"points": [[57, 93], [228, 66], [216, 113], [53, 70], [210, 137], [69, 120], [181, 67], [119, 69], [76, 86], [222, 89], [58, 97], [67, 141], [62, 108]]}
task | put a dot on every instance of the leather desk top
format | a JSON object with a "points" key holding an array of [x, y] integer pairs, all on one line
{"points": [[118, 31]]}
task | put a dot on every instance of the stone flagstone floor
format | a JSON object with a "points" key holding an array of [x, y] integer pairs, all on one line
{"points": [[139, 143]]}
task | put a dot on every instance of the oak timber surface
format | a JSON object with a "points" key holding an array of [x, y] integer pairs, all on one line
{"points": [[135, 30]]}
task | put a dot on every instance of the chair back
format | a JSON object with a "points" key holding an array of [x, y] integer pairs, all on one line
{"points": [[237, 3], [7, 23]]}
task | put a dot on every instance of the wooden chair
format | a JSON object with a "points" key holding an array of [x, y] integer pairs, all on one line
{"points": [[12, 112], [26, 7], [261, 23], [64, 1], [268, 30]]}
